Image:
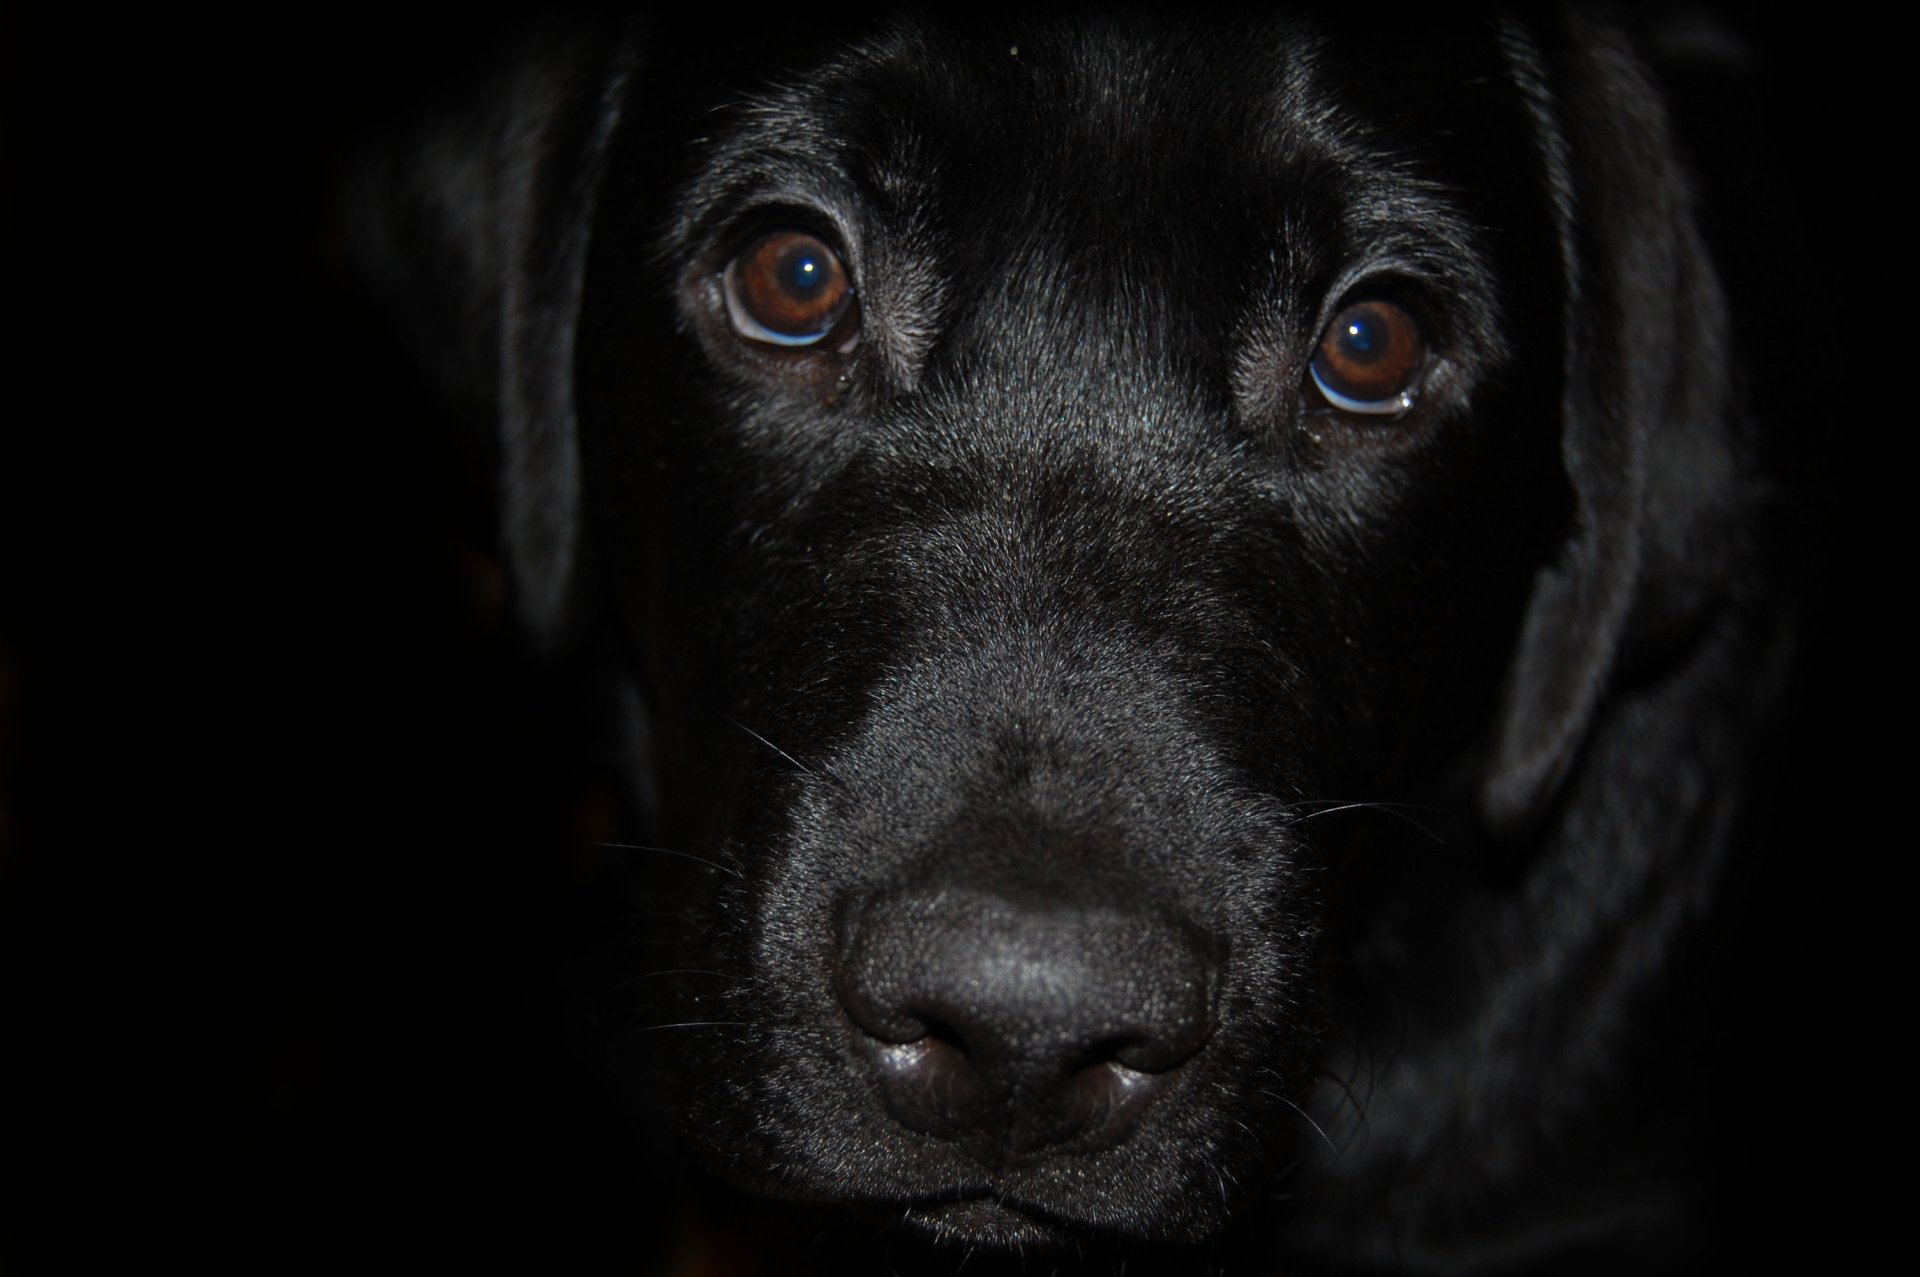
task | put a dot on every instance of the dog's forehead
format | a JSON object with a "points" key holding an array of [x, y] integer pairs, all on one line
{"points": [[1088, 106], [1104, 121]]}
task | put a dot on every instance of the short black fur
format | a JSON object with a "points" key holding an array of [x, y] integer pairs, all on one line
{"points": [[1113, 796]]}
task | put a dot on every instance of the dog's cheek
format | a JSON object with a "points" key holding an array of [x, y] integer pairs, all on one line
{"points": [[754, 1064], [1421, 560]]}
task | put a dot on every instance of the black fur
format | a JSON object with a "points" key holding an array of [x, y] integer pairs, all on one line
{"points": [[1110, 795]]}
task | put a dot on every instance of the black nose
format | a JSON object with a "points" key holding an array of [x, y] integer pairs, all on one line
{"points": [[1022, 1024]]}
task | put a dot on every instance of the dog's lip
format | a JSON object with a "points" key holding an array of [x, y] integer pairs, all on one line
{"points": [[1005, 1209], [990, 1218]]}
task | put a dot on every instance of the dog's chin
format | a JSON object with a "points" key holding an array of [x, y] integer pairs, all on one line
{"points": [[988, 1222], [1022, 1218]]}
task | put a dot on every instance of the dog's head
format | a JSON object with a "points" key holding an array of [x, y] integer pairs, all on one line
{"points": [[1038, 476]]}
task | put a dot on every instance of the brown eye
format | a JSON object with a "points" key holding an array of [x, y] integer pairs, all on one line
{"points": [[786, 288], [1370, 359]]}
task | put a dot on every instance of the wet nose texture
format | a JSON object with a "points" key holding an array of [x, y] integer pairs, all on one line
{"points": [[1020, 1026]]}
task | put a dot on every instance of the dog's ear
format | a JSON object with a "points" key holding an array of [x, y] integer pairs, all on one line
{"points": [[1650, 440], [472, 226]]}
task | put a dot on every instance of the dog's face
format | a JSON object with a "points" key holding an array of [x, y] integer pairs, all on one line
{"points": [[1058, 486], [1043, 473]]}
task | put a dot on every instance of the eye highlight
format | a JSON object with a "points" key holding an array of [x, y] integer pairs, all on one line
{"points": [[786, 288], [1370, 359]]}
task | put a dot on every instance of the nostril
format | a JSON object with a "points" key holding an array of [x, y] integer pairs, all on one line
{"points": [[1105, 1098], [930, 1084]]}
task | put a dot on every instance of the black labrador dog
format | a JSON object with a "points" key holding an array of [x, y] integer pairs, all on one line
{"points": [[1182, 594]]}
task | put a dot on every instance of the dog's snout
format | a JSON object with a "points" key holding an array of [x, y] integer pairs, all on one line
{"points": [[1017, 1023]]}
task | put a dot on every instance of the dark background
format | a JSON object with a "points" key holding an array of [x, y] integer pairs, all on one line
{"points": [[293, 857]]}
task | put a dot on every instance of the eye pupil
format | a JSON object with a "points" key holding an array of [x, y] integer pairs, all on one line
{"points": [[1370, 359], [786, 288]]}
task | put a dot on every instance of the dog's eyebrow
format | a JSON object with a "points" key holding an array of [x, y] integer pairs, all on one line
{"points": [[1415, 230], [1396, 214], [755, 172]]}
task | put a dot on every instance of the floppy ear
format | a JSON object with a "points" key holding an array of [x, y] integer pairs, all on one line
{"points": [[473, 227], [1650, 442]]}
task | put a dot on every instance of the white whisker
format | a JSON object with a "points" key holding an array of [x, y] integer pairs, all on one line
{"points": [[668, 851]]}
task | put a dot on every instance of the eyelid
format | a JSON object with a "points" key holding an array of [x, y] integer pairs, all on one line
{"points": [[1393, 406]]}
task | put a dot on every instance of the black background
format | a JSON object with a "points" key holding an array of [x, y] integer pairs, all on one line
{"points": [[290, 852]]}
